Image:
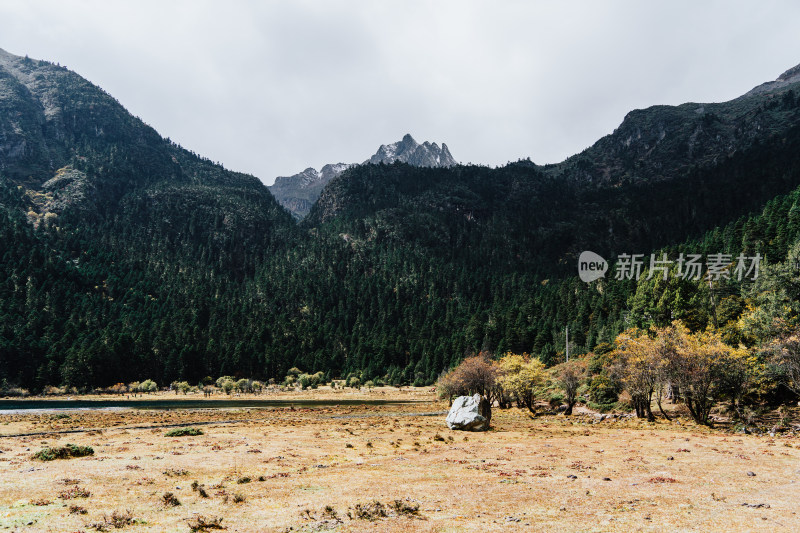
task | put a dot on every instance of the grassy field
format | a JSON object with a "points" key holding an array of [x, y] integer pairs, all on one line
{"points": [[389, 468]]}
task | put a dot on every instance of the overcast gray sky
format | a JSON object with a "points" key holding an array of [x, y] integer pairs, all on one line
{"points": [[271, 88]]}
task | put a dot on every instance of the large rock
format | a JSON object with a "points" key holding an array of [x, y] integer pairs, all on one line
{"points": [[470, 413]]}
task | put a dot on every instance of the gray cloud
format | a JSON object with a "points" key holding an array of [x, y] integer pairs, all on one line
{"points": [[273, 87]]}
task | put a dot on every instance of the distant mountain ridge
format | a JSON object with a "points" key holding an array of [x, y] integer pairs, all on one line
{"points": [[298, 193]]}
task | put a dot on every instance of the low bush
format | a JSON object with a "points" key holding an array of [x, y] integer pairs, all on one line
{"points": [[183, 432], [403, 508], [73, 493], [64, 452], [199, 489], [202, 523], [170, 500], [370, 511]]}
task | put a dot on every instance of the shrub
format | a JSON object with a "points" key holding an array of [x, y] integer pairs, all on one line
{"points": [[64, 452], [244, 385], [170, 500], [117, 388], [181, 386], [202, 523], [183, 432], [403, 508], [370, 511], [74, 492], [603, 391], [13, 391], [148, 385], [226, 383], [556, 400], [119, 519], [199, 489]]}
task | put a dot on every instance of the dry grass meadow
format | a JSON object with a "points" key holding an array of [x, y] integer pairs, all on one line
{"points": [[390, 468]]}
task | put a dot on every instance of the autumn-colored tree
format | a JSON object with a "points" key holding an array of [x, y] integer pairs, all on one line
{"points": [[785, 357], [639, 369], [569, 377], [520, 377], [666, 342], [475, 375], [701, 366], [118, 388]]}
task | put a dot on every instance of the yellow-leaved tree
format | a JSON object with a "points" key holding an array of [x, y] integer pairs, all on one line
{"points": [[639, 364], [520, 377], [697, 368], [704, 369]]}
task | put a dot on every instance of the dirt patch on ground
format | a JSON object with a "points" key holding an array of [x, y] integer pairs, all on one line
{"points": [[367, 468]]}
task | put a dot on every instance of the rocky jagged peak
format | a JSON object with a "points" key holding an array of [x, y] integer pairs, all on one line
{"points": [[793, 74], [298, 193], [409, 151], [330, 171], [789, 77]]}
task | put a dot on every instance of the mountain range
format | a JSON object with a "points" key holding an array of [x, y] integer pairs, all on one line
{"points": [[124, 256], [297, 193]]}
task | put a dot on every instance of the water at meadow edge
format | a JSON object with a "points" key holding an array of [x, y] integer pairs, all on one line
{"points": [[22, 406]]}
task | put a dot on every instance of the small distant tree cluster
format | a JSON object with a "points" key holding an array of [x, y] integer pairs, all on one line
{"points": [[295, 376], [226, 384], [147, 385], [514, 379], [181, 387], [353, 381], [117, 388]]}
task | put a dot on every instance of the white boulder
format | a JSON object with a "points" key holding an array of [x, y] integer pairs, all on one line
{"points": [[470, 413]]}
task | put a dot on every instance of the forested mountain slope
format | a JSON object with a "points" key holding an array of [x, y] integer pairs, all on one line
{"points": [[125, 257]]}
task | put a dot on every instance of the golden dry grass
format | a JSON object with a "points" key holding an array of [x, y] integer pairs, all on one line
{"points": [[541, 474]]}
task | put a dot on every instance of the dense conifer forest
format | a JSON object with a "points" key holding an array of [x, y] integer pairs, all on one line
{"points": [[124, 257]]}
